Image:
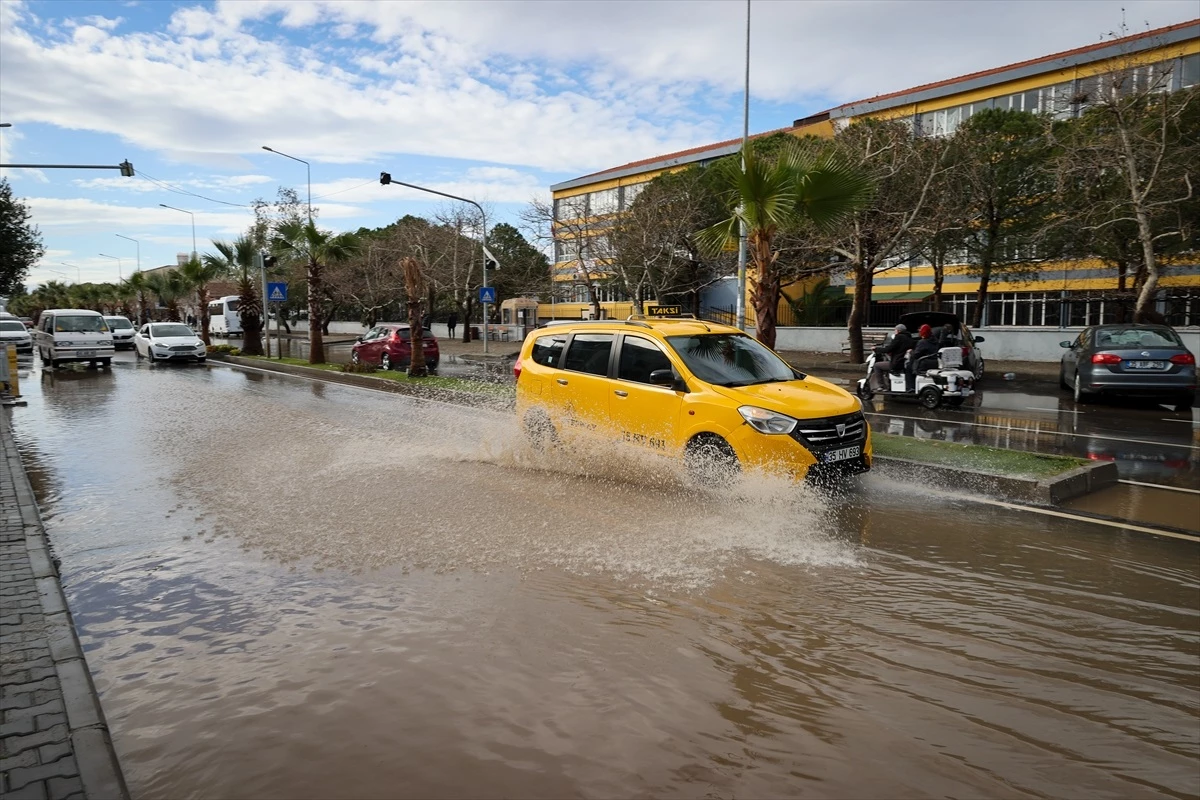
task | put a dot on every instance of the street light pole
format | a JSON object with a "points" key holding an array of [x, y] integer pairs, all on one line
{"points": [[741, 274], [118, 260], [139, 247], [78, 273], [386, 178], [193, 216], [308, 171]]}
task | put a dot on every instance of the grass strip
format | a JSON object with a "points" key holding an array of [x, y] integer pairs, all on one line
{"points": [[432, 381], [992, 460]]}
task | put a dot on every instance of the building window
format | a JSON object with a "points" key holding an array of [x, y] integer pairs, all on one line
{"points": [[1189, 71], [629, 193], [606, 201]]}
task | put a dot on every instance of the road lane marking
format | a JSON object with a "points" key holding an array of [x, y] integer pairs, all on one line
{"points": [[1080, 518], [1035, 430], [1177, 419], [1160, 486]]}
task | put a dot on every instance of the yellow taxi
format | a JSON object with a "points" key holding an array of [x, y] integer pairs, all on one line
{"points": [[705, 392]]}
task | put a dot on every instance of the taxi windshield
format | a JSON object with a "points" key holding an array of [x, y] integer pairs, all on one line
{"points": [[725, 359]]}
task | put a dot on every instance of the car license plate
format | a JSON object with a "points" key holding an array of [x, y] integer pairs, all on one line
{"points": [[85, 353], [1144, 364], [841, 454]]}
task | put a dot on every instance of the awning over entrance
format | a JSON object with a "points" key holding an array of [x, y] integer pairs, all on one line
{"points": [[900, 297]]}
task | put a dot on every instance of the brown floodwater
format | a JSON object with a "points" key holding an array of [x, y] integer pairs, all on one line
{"points": [[296, 590]]}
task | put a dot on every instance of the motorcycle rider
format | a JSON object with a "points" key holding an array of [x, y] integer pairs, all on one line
{"points": [[891, 353], [926, 346]]}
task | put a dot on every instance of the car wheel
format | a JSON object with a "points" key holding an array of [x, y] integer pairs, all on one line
{"points": [[864, 391], [106, 363], [137, 354], [979, 371], [1185, 402], [201, 359], [930, 397], [710, 461], [385, 362], [150, 355], [353, 356], [1080, 395], [539, 430]]}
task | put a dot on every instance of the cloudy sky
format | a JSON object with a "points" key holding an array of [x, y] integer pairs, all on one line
{"points": [[493, 100]]}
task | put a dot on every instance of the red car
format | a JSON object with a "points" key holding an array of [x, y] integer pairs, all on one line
{"points": [[389, 347]]}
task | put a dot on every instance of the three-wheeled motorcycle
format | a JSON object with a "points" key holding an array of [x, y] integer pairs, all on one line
{"points": [[939, 378]]}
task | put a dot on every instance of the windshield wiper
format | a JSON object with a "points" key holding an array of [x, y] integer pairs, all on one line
{"points": [[735, 384]]}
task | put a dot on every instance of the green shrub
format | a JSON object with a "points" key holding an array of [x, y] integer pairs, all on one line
{"points": [[361, 366], [224, 348]]}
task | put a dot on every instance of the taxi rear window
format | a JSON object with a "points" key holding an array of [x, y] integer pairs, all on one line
{"points": [[547, 350]]}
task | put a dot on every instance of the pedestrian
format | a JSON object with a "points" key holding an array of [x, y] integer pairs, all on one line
{"points": [[890, 358], [926, 347], [452, 323]]}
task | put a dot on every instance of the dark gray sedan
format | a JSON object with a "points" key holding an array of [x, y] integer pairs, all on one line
{"points": [[1130, 361]]}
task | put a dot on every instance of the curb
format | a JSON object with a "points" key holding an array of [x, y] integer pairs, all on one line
{"points": [[367, 381], [1047, 492], [99, 769]]}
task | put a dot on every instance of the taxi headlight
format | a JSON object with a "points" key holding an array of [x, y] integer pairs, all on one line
{"points": [[765, 421]]}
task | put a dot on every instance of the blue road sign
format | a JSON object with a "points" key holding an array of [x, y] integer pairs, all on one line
{"points": [[277, 292], [487, 294]]}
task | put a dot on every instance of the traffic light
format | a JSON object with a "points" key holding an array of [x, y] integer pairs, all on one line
{"points": [[385, 178], [269, 261], [126, 169], [491, 264]]}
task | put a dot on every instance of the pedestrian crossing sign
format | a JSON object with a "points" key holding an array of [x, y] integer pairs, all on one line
{"points": [[277, 292]]}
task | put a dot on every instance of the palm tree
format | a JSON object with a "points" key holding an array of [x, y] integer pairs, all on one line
{"points": [[169, 286], [303, 241], [197, 274], [235, 257], [770, 193], [140, 288]]}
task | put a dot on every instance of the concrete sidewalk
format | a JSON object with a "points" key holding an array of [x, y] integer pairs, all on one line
{"points": [[54, 742]]}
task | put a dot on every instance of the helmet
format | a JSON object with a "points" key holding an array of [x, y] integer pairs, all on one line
{"points": [[925, 332]]}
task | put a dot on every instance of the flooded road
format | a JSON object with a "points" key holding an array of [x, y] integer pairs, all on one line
{"points": [[291, 589]]}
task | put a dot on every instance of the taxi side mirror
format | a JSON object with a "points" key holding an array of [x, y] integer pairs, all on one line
{"points": [[980, 340], [1064, 344], [662, 377]]}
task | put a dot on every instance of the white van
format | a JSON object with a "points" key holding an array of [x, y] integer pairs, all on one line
{"points": [[73, 334]]}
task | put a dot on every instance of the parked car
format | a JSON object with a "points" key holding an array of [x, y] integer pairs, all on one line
{"points": [[28, 322], [972, 358], [1148, 361], [73, 334], [689, 389], [169, 341], [390, 347], [14, 332], [122, 332]]}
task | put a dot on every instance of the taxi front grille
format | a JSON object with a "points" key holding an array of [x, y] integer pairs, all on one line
{"points": [[831, 432]]}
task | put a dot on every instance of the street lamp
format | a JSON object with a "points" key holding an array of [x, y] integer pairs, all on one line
{"points": [[385, 178], [307, 169], [139, 247], [190, 214], [78, 273], [118, 260], [742, 231]]}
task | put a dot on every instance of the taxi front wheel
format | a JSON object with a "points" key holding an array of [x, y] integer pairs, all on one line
{"points": [[710, 460]]}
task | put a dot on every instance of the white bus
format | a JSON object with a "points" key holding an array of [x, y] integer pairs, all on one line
{"points": [[223, 317]]}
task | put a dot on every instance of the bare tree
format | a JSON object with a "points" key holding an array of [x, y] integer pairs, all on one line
{"points": [[903, 168], [1125, 171], [578, 240], [412, 283]]}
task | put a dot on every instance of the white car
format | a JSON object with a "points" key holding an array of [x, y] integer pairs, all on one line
{"points": [[169, 341], [122, 331], [14, 332]]}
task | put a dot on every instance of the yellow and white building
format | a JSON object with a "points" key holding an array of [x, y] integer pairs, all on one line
{"points": [[1057, 295]]}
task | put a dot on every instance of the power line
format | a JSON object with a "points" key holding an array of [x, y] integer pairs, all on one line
{"points": [[339, 191], [183, 191]]}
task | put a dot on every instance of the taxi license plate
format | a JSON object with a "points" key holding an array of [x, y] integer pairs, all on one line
{"points": [[1144, 364], [85, 353], [841, 454]]}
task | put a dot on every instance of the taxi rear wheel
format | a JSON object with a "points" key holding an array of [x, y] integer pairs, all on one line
{"points": [[539, 430], [710, 460]]}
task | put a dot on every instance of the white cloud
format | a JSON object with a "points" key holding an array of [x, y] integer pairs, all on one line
{"points": [[83, 215]]}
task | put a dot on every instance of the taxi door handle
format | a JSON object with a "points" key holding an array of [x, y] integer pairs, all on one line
{"points": [[619, 393], [561, 381]]}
